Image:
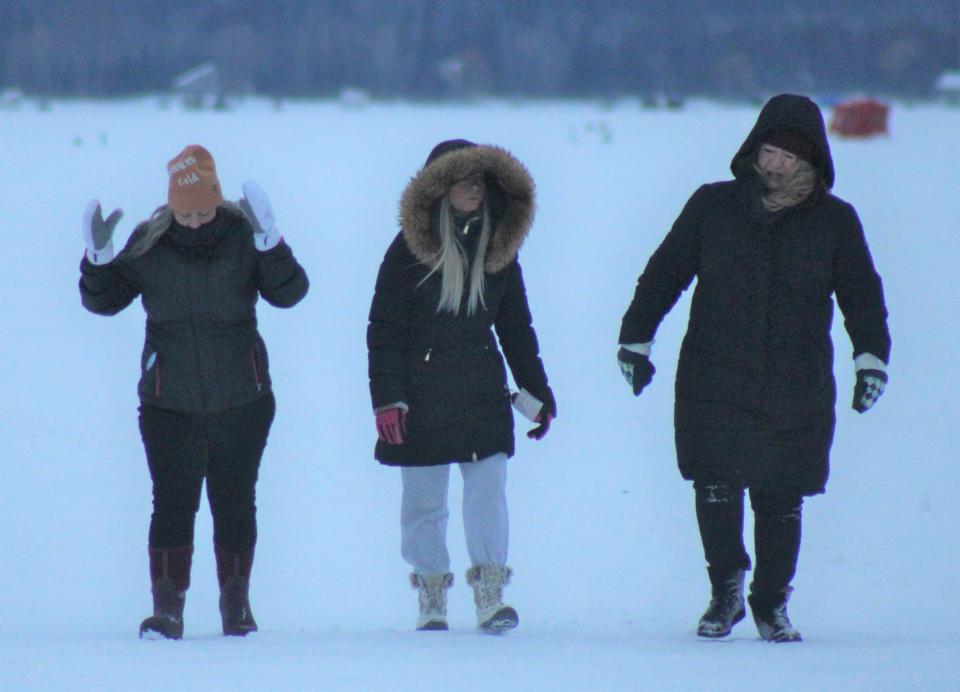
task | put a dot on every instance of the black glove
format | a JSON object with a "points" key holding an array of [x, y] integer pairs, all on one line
{"points": [[546, 415], [637, 368], [870, 385]]}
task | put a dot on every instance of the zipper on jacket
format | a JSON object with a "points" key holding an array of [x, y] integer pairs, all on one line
{"points": [[256, 370]]}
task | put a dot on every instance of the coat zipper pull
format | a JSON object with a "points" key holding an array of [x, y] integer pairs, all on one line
{"points": [[427, 357]]}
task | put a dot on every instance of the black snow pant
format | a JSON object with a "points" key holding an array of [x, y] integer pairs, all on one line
{"points": [[777, 519], [225, 448]]}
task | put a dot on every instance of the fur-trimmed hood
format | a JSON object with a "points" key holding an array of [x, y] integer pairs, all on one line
{"points": [[509, 197]]}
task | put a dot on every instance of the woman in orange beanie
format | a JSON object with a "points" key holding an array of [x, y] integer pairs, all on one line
{"points": [[206, 403]]}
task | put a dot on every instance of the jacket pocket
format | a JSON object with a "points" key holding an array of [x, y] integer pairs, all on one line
{"points": [[256, 365], [150, 372]]}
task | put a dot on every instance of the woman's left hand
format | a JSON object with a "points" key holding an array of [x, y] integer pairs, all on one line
{"points": [[538, 432], [258, 210]]}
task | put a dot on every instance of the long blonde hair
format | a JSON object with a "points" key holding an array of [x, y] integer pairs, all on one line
{"points": [[451, 261], [160, 222]]}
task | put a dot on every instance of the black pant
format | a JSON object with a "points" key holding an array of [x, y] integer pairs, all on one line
{"points": [[226, 448], [777, 520]]}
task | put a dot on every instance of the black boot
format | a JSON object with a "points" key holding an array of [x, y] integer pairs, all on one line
{"points": [[726, 607], [770, 614], [170, 578], [233, 572]]}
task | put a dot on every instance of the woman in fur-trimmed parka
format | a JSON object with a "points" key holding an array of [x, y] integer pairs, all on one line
{"points": [[437, 379], [755, 391]]}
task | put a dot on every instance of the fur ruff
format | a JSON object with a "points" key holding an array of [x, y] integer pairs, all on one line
{"points": [[512, 222]]}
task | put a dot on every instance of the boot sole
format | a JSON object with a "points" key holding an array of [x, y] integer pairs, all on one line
{"points": [[781, 637], [154, 628], [503, 620], [434, 626], [701, 632]]}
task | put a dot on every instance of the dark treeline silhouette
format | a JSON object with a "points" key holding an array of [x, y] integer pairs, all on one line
{"points": [[444, 48]]}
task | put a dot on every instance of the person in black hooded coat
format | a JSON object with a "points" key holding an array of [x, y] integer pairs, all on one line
{"points": [[755, 391], [437, 379]]}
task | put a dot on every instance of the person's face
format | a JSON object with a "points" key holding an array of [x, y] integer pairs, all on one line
{"points": [[194, 219], [776, 164], [467, 195]]}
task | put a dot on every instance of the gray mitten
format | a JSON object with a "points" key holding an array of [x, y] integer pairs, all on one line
{"points": [[98, 234]]}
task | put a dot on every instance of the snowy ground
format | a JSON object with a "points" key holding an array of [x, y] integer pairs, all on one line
{"points": [[609, 575]]}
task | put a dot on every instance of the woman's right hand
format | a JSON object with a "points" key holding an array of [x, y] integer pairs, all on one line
{"points": [[98, 234], [391, 426]]}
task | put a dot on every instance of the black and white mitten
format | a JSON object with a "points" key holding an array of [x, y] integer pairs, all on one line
{"points": [[869, 387], [636, 368]]}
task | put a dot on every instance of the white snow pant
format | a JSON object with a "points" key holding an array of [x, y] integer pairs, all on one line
{"points": [[424, 513]]}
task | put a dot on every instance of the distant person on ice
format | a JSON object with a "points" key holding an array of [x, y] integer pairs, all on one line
{"points": [[437, 379], [206, 404], [755, 392]]}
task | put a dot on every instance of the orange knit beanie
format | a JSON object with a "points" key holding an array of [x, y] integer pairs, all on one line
{"points": [[194, 186]]}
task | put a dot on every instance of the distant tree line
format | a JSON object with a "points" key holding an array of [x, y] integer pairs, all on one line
{"points": [[460, 48]]}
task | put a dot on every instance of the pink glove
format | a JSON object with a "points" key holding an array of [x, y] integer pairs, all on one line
{"points": [[391, 426]]}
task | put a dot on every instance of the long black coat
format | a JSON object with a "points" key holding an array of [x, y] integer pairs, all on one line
{"points": [[447, 368], [199, 287], [755, 391]]}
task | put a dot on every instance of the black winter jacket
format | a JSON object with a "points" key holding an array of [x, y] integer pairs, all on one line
{"points": [[447, 368], [757, 353], [199, 287]]}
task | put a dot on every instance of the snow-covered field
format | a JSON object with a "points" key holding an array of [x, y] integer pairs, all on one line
{"points": [[609, 574]]}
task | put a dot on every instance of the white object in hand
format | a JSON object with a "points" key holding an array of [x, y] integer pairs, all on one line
{"points": [[256, 205], [98, 234], [528, 405]]}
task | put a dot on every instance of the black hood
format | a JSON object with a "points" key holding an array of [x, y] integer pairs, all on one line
{"points": [[787, 112]]}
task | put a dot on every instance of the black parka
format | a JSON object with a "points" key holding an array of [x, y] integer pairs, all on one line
{"points": [[755, 391], [199, 287], [447, 368]]}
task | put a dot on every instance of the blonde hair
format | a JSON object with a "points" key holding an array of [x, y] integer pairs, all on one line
{"points": [[451, 261], [160, 222]]}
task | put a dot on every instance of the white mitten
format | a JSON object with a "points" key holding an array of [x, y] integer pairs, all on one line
{"points": [[256, 206], [98, 234]]}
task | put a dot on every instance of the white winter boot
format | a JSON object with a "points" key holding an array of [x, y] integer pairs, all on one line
{"points": [[488, 582], [433, 599]]}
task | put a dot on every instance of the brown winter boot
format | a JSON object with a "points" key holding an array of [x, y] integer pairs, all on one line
{"points": [[170, 579], [233, 573]]}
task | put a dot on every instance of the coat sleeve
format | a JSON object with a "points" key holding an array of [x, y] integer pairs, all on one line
{"points": [[668, 273], [387, 328], [859, 291], [107, 289], [280, 279], [514, 325]]}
